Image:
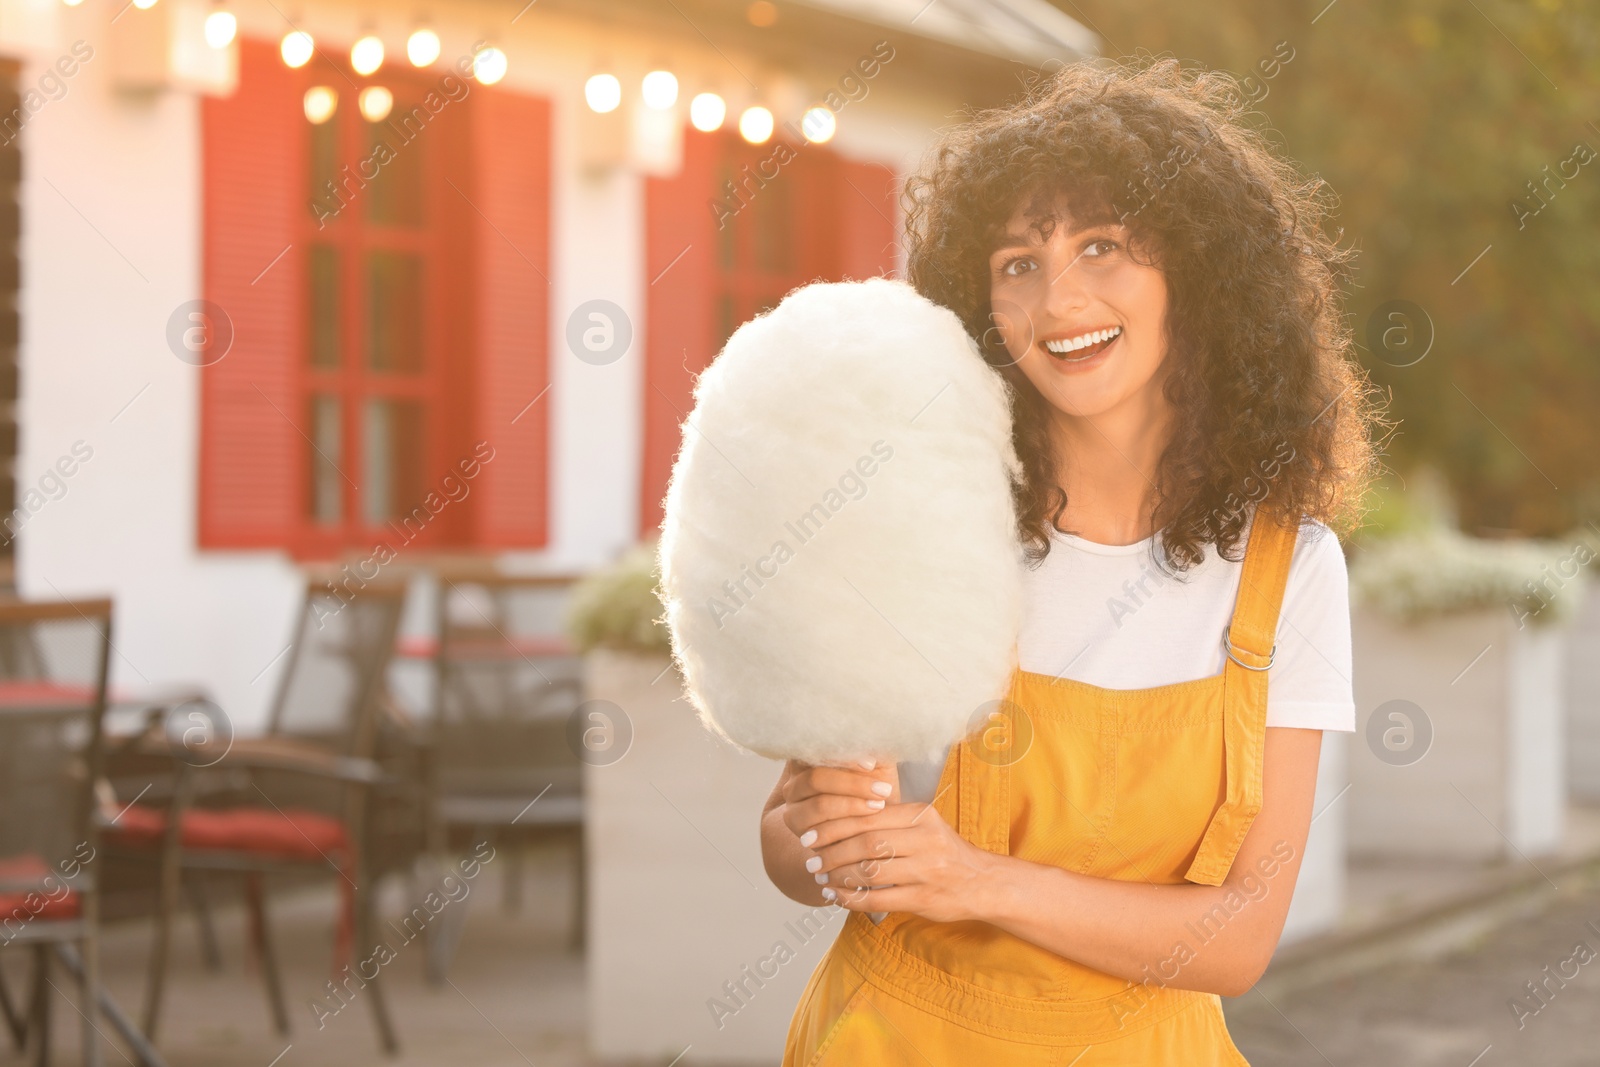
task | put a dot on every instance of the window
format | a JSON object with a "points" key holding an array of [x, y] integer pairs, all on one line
{"points": [[372, 374], [387, 286], [756, 259]]}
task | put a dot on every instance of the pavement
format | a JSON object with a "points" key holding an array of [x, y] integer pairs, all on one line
{"points": [[515, 995], [1432, 968], [1468, 1007], [1431, 963]]}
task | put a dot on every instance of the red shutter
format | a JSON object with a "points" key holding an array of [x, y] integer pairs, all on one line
{"points": [[848, 225], [253, 170], [868, 219], [510, 194], [680, 239]]}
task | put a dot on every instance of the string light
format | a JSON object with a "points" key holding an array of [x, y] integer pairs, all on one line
{"points": [[375, 103], [756, 125], [660, 89], [297, 48], [603, 92], [366, 55], [422, 47], [819, 125], [320, 104], [489, 65], [707, 112], [220, 28]]}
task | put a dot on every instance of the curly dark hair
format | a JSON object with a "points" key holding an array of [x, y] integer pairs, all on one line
{"points": [[1270, 407]]}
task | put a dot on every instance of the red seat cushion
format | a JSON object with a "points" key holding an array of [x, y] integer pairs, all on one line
{"points": [[46, 902], [281, 833], [291, 833]]}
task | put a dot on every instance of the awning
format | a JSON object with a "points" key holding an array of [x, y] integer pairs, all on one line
{"points": [[1030, 31]]}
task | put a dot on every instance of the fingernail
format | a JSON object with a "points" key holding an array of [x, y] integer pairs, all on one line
{"points": [[883, 789], [814, 864], [829, 895], [822, 879], [868, 764], [808, 838], [873, 804]]}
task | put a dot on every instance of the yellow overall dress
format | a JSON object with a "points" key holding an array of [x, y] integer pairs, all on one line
{"points": [[1157, 785]]}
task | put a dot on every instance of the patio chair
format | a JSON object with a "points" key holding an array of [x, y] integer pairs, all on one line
{"points": [[53, 662], [506, 683], [301, 798]]}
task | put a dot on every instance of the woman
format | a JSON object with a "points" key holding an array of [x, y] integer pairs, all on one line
{"points": [[1156, 286]]}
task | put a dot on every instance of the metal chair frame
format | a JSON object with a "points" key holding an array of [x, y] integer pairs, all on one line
{"points": [[561, 816], [73, 942], [354, 770]]}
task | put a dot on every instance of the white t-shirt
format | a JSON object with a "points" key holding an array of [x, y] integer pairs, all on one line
{"points": [[1108, 616]]}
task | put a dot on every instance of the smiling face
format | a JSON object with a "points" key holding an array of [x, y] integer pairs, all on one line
{"points": [[1081, 314]]}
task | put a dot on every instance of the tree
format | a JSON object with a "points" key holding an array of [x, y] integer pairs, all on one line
{"points": [[1463, 140]]}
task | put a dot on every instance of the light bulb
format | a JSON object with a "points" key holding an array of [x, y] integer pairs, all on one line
{"points": [[707, 111], [603, 92], [660, 89], [755, 125], [320, 103], [489, 65], [366, 55], [297, 48], [818, 124], [422, 48], [375, 103], [220, 29]]}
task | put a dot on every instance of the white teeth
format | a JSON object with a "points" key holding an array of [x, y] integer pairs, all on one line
{"points": [[1075, 343]]}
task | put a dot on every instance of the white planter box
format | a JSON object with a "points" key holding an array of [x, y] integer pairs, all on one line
{"points": [[1583, 697], [681, 915], [1493, 780]]}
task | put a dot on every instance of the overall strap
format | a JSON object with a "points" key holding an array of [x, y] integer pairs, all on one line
{"points": [[1250, 644]]}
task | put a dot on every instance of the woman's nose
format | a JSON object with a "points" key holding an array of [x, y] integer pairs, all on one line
{"points": [[1065, 293]]}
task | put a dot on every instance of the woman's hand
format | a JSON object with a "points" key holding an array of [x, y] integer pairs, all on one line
{"points": [[815, 795], [904, 858], [806, 797]]}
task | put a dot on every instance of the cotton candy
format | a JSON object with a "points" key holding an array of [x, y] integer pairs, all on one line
{"points": [[839, 557]]}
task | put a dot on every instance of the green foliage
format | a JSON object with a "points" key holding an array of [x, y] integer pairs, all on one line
{"points": [[1396, 507], [618, 606], [1430, 119]]}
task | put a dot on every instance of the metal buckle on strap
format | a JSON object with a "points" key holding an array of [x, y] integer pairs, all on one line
{"points": [[1227, 646]]}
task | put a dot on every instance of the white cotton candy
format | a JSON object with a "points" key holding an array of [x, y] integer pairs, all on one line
{"points": [[839, 558]]}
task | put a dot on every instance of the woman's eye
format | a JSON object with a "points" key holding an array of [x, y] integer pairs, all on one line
{"points": [[1017, 265], [1102, 242]]}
